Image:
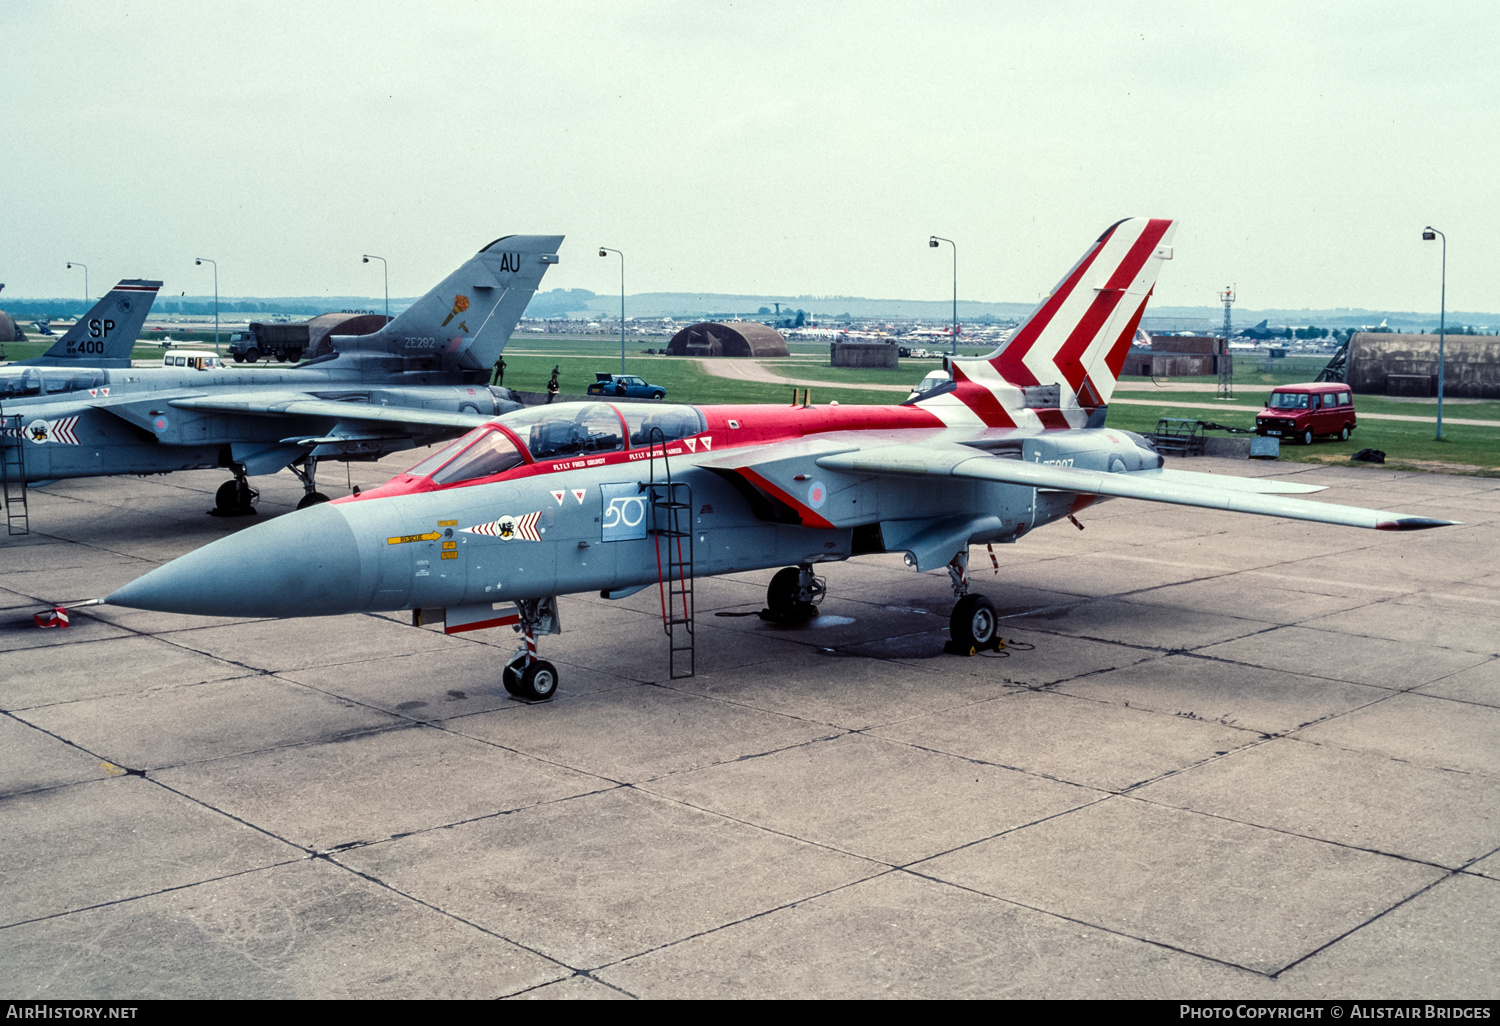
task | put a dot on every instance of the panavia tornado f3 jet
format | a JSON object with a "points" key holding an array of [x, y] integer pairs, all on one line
{"points": [[421, 378], [582, 497]]}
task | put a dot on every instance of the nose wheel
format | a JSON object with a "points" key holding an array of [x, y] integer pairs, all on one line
{"points": [[526, 676]]}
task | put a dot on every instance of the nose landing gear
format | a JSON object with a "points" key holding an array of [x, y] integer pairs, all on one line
{"points": [[307, 474], [526, 676]]}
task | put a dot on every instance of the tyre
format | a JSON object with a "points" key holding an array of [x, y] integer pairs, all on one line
{"points": [[973, 623], [782, 595], [1344, 434], [232, 497], [538, 681], [1307, 437], [239, 357], [511, 678], [252, 354], [311, 499], [294, 355], [658, 396], [281, 356]]}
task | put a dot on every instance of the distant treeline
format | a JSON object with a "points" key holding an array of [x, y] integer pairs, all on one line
{"points": [[67, 309]]}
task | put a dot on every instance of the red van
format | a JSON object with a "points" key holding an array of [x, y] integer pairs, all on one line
{"points": [[1303, 411]]}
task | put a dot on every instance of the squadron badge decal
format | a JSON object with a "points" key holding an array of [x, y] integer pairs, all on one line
{"points": [[510, 528]]}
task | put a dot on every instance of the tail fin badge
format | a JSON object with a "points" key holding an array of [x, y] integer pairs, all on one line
{"points": [[460, 304]]}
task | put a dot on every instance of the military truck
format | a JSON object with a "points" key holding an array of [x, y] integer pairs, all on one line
{"points": [[282, 341], [300, 338]]}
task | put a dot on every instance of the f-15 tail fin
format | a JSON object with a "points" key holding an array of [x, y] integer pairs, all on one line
{"points": [[1062, 363], [467, 319], [105, 335]]}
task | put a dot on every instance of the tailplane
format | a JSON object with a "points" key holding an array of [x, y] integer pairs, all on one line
{"points": [[464, 323], [105, 335], [1062, 363]]}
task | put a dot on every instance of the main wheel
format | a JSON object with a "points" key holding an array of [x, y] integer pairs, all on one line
{"points": [[783, 597], [311, 499], [1307, 437], [538, 681], [973, 622], [511, 678], [232, 497]]}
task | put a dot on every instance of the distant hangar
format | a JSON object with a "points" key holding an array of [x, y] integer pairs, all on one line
{"points": [[730, 338]]}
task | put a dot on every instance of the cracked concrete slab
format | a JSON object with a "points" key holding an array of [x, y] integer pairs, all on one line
{"points": [[1252, 897]]}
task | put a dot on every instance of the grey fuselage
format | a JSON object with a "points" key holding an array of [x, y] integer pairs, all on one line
{"points": [[585, 524], [123, 421]]}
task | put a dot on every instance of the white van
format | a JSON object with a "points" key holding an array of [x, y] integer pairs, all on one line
{"points": [[196, 358]]}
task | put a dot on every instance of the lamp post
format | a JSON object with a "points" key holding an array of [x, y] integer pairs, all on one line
{"points": [[200, 261], [387, 272], [933, 241], [74, 263], [1428, 234], [603, 250]]}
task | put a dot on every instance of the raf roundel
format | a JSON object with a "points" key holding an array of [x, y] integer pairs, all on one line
{"points": [[817, 493]]}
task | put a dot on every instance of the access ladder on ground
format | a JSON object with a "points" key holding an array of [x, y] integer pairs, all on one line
{"points": [[13, 474], [672, 535]]}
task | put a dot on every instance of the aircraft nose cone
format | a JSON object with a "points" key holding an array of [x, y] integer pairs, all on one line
{"points": [[303, 564]]}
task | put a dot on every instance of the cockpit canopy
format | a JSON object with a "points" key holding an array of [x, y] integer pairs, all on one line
{"points": [[18, 382], [555, 432]]}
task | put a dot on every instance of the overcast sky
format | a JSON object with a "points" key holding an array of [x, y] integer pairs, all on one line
{"points": [[754, 147]]}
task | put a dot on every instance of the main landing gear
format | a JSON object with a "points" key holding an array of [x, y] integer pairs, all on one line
{"points": [[307, 474], [526, 676], [235, 498], [973, 625], [793, 595]]}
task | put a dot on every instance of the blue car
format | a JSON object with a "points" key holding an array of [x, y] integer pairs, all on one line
{"points": [[627, 385]]}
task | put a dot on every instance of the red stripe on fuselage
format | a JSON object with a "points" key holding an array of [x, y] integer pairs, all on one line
{"points": [[806, 515], [981, 400], [758, 425]]}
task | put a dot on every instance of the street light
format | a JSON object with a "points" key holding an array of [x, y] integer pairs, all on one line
{"points": [[603, 250], [933, 241], [199, 262], [74, 263], [365, 260], [1428, 234]]}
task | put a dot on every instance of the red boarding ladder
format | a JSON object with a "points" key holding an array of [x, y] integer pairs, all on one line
{"points": [[672, 532]]}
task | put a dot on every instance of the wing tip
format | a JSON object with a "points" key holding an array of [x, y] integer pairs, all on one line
{"points": [[1415, 524]]}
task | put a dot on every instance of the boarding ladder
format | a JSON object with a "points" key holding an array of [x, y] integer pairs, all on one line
{"points": [[13, 474], [672, 534], [1337, 368]]}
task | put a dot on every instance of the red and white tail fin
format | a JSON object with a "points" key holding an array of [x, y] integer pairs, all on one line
{"points": [[1075, 340]]}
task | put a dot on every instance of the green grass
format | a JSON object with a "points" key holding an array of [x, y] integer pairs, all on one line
{"points": [[684, 380], [1402, 442]]}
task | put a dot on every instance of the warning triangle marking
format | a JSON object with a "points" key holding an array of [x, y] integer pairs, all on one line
{"points": [[708, 443], [578, 494], [559, 497], [691, 443]]}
